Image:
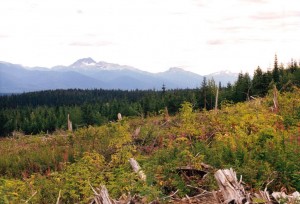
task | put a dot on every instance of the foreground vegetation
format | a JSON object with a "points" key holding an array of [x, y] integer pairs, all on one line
{"points": [[259, 142]]}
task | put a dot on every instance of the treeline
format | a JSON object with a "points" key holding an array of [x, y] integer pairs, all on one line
{"points": [[46, 111]]}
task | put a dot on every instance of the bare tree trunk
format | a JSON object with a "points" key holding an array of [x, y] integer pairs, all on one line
{"points": [[70, 128], [217, 99], [166, 115], [275, 99], [205, 101], [137, 169]]}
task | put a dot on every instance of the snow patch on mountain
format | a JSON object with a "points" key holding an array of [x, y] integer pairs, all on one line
{"points": [[226, 72]]}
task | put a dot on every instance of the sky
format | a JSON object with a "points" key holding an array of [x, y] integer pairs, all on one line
{"points": [[202, 36]]}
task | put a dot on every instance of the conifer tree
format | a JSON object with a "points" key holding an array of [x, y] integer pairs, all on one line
{"points": [[275, 72], [258, 82], [204, 92], [163, 88]]}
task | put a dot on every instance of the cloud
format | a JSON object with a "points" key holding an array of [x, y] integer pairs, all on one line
{"points": [[282, 26], [233, 28], [275, 15], [91, 35], [245, 40], [90, 44], [3, 36], [199, 3], [237, 41], [215, 42], [177, 13], [257, 1]]}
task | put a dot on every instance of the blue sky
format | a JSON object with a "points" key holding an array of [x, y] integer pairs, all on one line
{"points": [[202, 36]]}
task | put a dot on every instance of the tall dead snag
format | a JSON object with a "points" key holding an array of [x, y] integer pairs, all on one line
{"points": [[102, 197], [275, 99], [166, 115], [217, 99], [70, 128], [137, 169], [231, 189]]}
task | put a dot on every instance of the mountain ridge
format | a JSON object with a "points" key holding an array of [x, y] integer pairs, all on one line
{"points": [[86, 73]]}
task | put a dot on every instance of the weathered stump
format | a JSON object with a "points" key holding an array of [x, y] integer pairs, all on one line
{"points": [[137, 169], [231, 189]]}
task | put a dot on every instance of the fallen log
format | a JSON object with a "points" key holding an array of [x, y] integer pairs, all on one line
{"points": [[190, 171]]}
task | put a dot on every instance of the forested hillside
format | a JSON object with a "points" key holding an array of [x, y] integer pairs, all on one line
{"points": [[259, 138], [46, 111]]}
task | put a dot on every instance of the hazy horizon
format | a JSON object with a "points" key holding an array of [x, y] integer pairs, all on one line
{"points": [[197, 35]]}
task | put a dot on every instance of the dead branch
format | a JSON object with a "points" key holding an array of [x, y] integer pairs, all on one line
{"points": [[31, 197], [206, 166], [190, 171], [170, 196], [58, 198]]}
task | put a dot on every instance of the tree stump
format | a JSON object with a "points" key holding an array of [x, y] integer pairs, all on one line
{"points": [[231, 189], [102, 197], [119, 116], [137, 169]]}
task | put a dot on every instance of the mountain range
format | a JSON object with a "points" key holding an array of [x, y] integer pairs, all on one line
{"points": [[86, 73]]}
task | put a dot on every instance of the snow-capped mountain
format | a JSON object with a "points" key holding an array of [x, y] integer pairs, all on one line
{"points": [[88, 64], [84, 62], [224, 77], [86, 73]]}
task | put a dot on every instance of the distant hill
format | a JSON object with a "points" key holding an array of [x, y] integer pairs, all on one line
{"points": [[223, 76], [16, 79], [86, 73]]}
